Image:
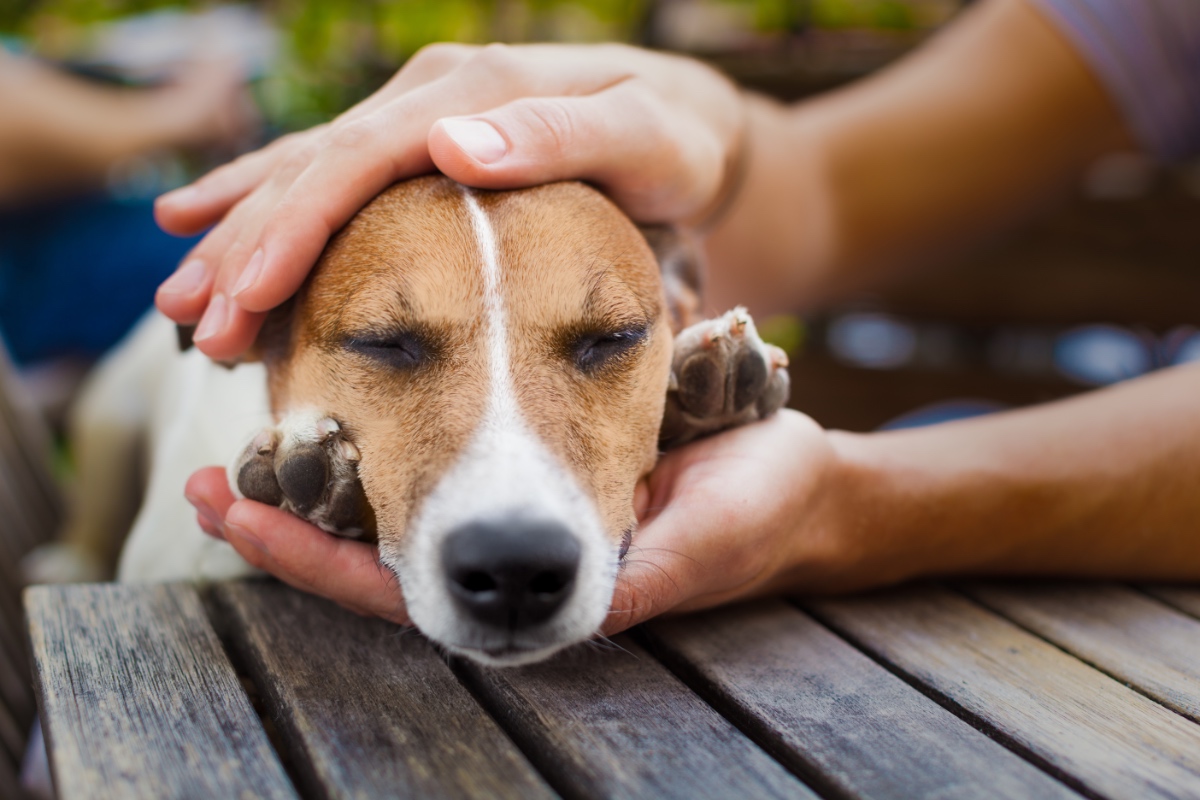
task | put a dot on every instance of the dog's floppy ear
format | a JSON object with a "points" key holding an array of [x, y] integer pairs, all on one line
{"points": [[271, 344], [681, 262]]}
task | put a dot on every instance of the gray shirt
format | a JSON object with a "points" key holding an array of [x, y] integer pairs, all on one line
{"points": [[1147, 53]]}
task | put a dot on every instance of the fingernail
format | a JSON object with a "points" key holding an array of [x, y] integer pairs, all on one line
{"points": [[233, 531], [214, 320], [187, 280], [477, 139], [250, 273]]}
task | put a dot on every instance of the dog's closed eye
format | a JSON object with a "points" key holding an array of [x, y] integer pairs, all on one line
{"points": [[595, 350], [402, 349]]}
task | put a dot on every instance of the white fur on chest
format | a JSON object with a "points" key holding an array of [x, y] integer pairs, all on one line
{"points": [[201, 413]]}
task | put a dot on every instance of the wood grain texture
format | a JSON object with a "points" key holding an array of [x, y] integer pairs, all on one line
{"points": [[1134, 638], [368, 710], [1185, 598], [1103, 735], [138, 700], [835, 716], [614, 723]]}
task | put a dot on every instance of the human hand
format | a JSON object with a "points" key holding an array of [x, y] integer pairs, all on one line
{"points": [[299, 554], [208, 106], [658, 133], [743, 513]]}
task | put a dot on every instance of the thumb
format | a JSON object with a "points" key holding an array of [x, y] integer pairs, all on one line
{"points": [[658, 163], [644, 590]]}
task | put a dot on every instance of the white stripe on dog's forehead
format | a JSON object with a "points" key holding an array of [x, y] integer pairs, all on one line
{"points": [[502, 402]]}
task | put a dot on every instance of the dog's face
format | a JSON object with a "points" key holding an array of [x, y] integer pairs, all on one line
{"points": [[500, 361]]}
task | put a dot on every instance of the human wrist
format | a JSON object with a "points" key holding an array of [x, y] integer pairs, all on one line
{"points": [[898, 518]]}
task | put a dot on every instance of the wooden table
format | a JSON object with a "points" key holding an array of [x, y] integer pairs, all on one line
{"points": [[981, 690]]}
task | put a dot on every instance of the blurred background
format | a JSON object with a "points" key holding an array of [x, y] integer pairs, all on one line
{"points": [[1099, 290]]}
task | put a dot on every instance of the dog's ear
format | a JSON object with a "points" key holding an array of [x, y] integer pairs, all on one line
{"points": [[269, 347], [681, 262]]}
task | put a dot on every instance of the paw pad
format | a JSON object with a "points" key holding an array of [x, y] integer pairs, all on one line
{"points": [[722, 375], [308, 467]]}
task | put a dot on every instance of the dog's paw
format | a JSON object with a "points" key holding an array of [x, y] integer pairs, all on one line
{"points": [[306, 466], [722, 375]]}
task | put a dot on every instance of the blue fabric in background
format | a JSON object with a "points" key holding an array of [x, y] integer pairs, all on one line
{"points": [[75, 276]]}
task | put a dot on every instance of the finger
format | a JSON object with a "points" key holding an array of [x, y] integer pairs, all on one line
{"points": [[192, 208], [208, 491], [185, 296], [646, 587], [304, 556], [659, 163], [226, 330]]}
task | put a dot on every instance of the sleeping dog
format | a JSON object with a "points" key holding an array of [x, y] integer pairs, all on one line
{"points": [[475, 380]]}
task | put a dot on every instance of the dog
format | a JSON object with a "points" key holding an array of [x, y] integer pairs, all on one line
{"points": [[474, 380]]}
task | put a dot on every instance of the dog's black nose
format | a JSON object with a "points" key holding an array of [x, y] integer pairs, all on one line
{"points": [[511, 574]]}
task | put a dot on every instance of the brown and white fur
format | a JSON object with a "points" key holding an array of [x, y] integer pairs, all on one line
{"points": [[495, 367]]}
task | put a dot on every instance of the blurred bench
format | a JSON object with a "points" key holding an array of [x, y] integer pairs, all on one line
{"points": [[1128, 258], [29, 515]]}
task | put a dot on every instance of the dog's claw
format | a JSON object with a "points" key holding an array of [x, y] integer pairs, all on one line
{"points": [[722, 375], [308, 467]]}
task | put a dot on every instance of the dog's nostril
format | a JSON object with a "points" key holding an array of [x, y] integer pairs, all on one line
{"points": [[511, 573], [547, 583], [477, 582]]}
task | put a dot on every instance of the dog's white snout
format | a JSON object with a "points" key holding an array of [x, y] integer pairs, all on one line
{"points": [[512, 573]]}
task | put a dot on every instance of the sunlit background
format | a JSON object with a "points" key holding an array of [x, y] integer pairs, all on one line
{"points": [[1100, 290]]}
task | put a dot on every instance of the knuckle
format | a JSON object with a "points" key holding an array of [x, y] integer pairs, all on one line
{"points": [[497, 61], [297, 158], [554, 120], [353, 134], [439, 57]]}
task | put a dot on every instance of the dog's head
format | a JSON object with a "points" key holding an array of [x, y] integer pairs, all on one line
{"points": [[500, 361]]}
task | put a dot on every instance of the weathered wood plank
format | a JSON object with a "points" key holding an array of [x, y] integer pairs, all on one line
{"points": [[365, 709], [614, 723], [1185, 598], [138, 700], [1103, 735], [1128, 635], [834, 715]]}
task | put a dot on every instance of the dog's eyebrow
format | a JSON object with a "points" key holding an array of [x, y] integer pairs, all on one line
{"points": [[602, 303], [397, 311]]}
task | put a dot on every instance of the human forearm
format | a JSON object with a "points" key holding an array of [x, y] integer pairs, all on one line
{"points": [[61, 131], [1102, 485], [956, 142]]}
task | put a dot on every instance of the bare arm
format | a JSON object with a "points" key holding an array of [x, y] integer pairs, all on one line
{"points": [[981, 126], [59, 132], [1101, 485]]}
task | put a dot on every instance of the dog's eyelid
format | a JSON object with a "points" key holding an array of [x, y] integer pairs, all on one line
{"points": [[593, 350], [399, 348]]}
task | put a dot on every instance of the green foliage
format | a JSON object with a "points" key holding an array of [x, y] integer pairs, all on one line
{"points": [[337, 52], [893, 14]]}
